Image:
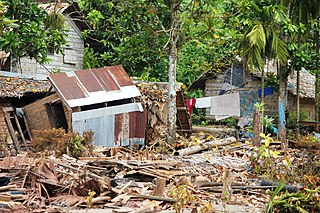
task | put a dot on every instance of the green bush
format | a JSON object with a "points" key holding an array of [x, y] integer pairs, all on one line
{"points": [[292, 119]]}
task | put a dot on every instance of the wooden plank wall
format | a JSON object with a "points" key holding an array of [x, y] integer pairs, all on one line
{"points": [[36, 113]]}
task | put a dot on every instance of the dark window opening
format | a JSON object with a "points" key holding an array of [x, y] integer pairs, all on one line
{"points": [[57, 117], [107, 104], [51, 51]]}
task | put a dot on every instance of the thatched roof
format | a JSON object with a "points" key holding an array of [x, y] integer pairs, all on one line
{"points": [[12, 85], [307, 81]]}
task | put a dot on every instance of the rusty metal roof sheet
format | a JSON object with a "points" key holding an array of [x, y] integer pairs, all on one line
{"points": [[91, 86]]}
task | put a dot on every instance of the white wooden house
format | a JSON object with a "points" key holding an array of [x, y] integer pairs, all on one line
{"points": [[72, 57]]}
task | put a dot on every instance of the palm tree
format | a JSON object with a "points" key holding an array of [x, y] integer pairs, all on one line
{"points": [[302, 12], [262, 41]]}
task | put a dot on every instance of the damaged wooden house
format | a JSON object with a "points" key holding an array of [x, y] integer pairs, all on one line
{"points": [[155, 102], [17, 91], [104, 101]]}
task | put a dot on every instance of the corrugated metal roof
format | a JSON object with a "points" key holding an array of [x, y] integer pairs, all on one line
{"points": [[91, 86]]}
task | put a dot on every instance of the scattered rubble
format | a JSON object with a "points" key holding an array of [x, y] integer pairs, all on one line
{"points": [[217, 175], [123, 180]]}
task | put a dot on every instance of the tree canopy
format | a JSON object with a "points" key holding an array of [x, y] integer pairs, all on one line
{"points": [[30, 37]]}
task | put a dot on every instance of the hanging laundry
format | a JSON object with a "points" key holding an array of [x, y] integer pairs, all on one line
{"points": [[203, 102], [267, 91], [224, 106], [190, 104]]}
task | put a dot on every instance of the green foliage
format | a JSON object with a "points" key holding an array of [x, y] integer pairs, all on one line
{"points": [[272, 80], [80, 145], [292, 118], [183, 193], [267, 122], [306, 200], [55, 21], [30, 38], [262, 159], [259, 106], [261, 23], [138, 37], [5, 22], [231, 122]]}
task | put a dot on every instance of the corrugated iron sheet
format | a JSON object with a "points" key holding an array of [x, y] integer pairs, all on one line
{"points": [[91, 86], [103, 128], [113, 126], [137, 124]]}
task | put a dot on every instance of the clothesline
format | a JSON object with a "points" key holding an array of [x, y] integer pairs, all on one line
{"points": [[240, 103]]}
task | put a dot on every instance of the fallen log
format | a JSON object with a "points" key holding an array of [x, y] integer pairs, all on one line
{"points": [[205, 146], [8, 187], [216, 130]]}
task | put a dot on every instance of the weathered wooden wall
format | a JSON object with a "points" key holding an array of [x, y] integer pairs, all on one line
{"points": [[306, 105], [36, 113], [214, 86], [71, 60]]}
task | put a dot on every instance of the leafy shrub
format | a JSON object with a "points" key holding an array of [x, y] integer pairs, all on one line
{"points": [[231, 122], [292, 119]]}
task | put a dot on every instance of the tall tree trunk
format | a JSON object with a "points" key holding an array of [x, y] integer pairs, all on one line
{"points": [[256, 127], [174, 37], [317, 83], [283, 81], [298, 101], [246, 71]]}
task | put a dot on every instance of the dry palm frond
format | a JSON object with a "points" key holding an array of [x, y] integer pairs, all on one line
{"points": [[55, 21]]}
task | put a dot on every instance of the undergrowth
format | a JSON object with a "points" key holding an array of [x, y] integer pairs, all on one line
{"points": [[58, 142], [186, 197]]}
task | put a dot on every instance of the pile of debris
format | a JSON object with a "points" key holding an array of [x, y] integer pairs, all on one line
{"points": [[122, 180], [155, 101]]}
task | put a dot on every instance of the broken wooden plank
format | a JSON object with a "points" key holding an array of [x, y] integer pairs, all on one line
{"points": [[11, 129], [150, 197], [160, 187], [205, 146], [148, 207], [23, 139], [8, 187], [96, 158]]}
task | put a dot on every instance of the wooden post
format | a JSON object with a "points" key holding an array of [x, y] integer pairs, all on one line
{"points": [[160, 187], [256, 127]]}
